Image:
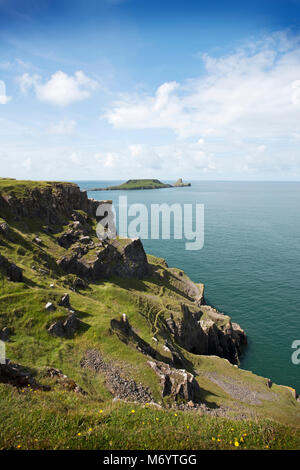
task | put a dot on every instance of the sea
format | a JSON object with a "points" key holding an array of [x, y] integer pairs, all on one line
{"points": [[249, 263]]}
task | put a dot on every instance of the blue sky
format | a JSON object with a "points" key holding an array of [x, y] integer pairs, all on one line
{"points": [[114, 89]]}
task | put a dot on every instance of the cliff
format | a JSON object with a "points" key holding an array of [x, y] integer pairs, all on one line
{"points": [[122, 324], [47, 201], [180, 184]]}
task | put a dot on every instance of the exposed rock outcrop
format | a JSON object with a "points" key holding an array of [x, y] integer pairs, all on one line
{"points": [[180, 184], [5, 333], [207, 331], [18, 376], [114, 259], [65, 301], [13, 272], [4, 229], [120, 386], [52, 202], [65, 328], [177, 384], [50, 307], [64, 381]]}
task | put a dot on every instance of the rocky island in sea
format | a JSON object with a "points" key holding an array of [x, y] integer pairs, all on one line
{"points": [[101, 336], [143, 184]]}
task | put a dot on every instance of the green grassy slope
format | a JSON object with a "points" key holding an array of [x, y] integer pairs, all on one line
{"points": [[64, 419], [137, 184]]}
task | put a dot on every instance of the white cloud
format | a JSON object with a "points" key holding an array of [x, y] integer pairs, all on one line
{"points": [[61, 89], [109, 159], [27, 163], [75, 158], [261, 148], [136, 150], [253, 93], [26, 81], [4, 99], [63, 127], [148, 159]]}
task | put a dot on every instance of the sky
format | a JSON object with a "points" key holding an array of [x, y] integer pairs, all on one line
{"points": [[119, 89]]}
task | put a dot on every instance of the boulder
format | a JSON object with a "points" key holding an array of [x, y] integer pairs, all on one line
{"points": [[64, 380], [4, 229], [68, 238], [50, 307], [38, 241], [5, 333], [176, 383], [79, 283], [86, 240], [14, 273], [65, 301], [18, 376], [65, 328]]}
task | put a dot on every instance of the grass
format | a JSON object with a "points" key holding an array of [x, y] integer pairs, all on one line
{"points": [[64, 420], [60, 419], [139, 184], [21, 187]]}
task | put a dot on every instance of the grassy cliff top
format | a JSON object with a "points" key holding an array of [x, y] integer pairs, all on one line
{"points": [[21, 187]]}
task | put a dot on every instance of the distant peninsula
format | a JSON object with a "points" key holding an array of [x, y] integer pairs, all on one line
{"points": [[143, 184]]}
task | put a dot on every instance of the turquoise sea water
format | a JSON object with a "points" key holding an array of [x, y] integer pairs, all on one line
{"points": [[250, 262]]}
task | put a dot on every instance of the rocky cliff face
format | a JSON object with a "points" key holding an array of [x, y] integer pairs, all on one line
{"points": [[109, 260], [66, 217], [207, 331], [58, 204], [52, 202]]}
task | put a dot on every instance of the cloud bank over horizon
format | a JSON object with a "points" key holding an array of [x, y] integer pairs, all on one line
{"points": [[232, 114]]}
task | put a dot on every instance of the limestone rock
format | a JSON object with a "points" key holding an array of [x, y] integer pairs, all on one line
{"points": [[205, 331], [64, 381], [4, 229], [68, 238], [126, 259], [54, 203], [176, 383], [18, 376], [86, 240], [65, 328], [50, 306], [5, 333], [65, 301], [14, 273]]}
